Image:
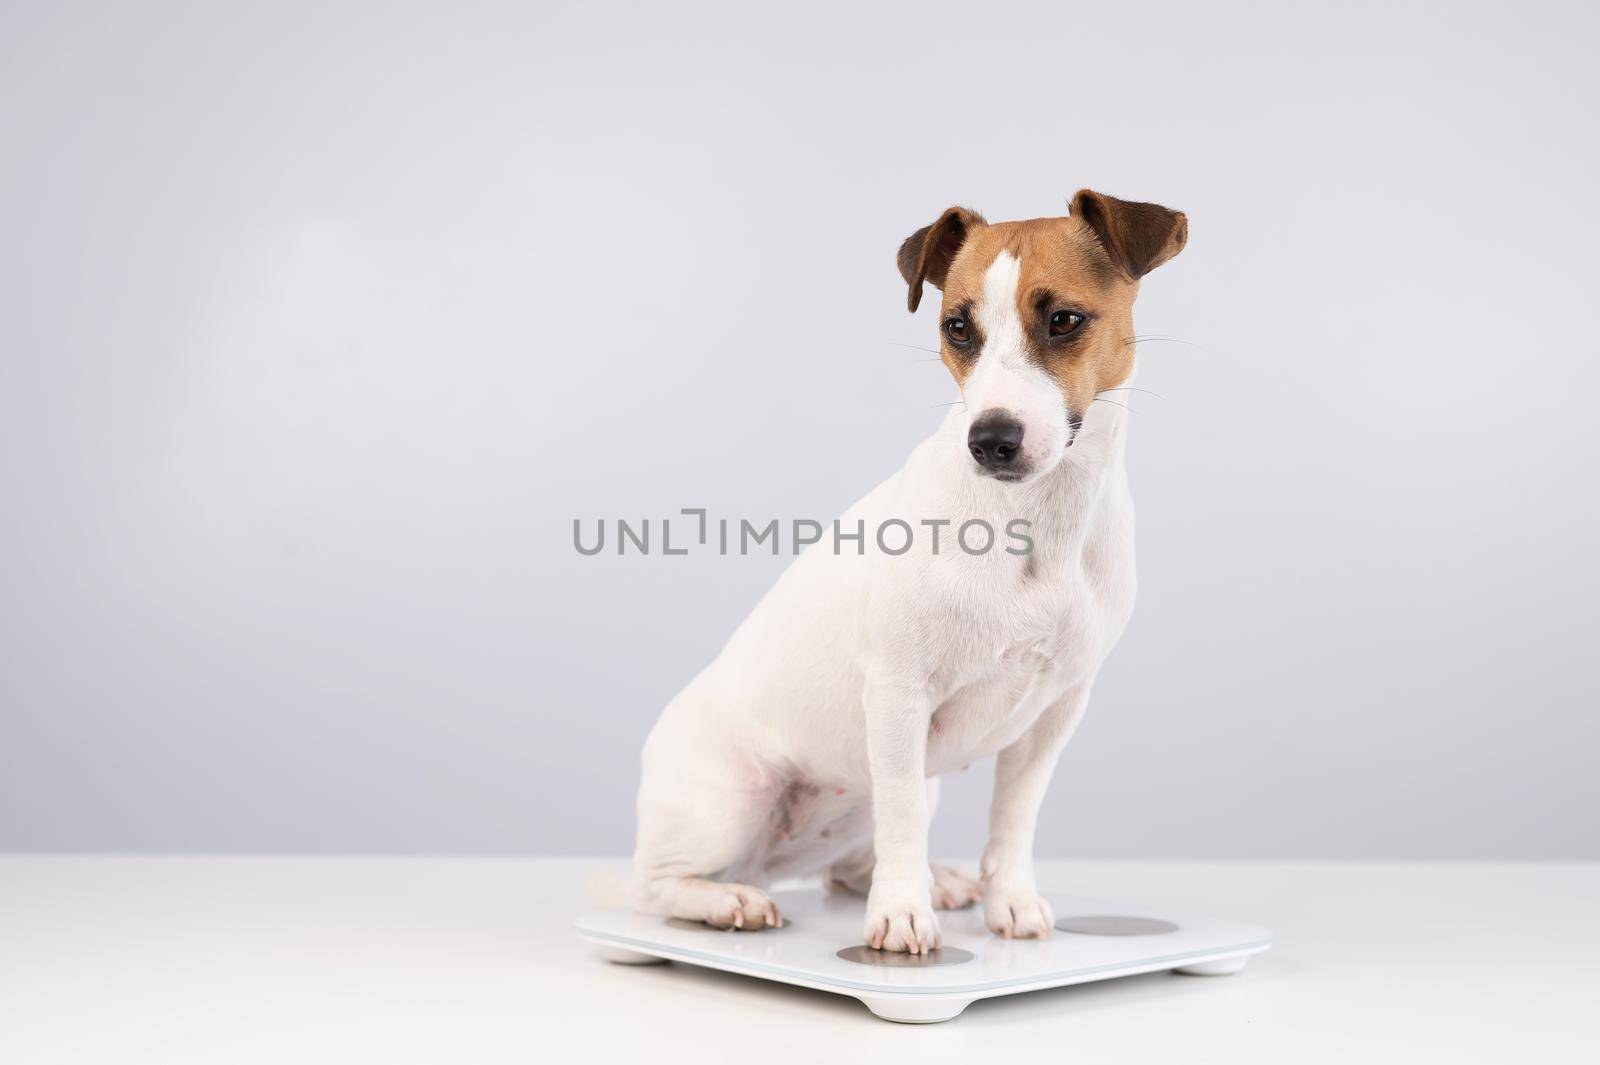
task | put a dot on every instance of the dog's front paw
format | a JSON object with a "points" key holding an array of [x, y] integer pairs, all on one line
{"points": [[900, 918], [1017, 912]]}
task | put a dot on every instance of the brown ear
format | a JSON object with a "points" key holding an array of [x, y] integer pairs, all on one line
{"points": [[1138, 236], [926, 254]]}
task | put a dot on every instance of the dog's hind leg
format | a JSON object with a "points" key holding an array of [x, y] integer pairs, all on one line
{"points": [[954, 889], [718, 904], [703, 820], [853, 873]]}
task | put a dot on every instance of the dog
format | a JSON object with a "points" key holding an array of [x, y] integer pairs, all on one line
{"points": [[813, 744]]}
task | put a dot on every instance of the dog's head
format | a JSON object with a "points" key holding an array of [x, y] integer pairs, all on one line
{"points": [[1037, 317]]}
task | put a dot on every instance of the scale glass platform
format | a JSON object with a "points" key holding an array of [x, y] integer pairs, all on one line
{"points": [[819, 946]]}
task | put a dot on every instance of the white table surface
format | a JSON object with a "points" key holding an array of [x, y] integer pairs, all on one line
{"points": [[240, 959]]}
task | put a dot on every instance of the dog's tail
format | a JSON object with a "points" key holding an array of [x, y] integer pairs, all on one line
{"points": [[608, 891]]}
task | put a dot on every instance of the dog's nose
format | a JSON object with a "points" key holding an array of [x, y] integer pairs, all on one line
{"points": [[995, 440]]}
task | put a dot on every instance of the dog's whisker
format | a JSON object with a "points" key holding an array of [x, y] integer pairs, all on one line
{"points": [[1114, 403], [1161, 340], [915, 347], [1130, 388], [952, 403]]}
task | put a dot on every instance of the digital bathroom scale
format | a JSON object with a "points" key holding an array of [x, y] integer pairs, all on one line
{"points": [[820, 947]]}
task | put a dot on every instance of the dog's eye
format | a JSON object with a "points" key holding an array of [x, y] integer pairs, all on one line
{"points": [[1064, 322], [956, 329]]}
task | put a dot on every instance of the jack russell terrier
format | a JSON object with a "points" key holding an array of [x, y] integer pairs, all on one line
{"points": [[815, 740]]}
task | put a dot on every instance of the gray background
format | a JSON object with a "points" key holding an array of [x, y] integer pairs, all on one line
{"points": [[321, 326]]}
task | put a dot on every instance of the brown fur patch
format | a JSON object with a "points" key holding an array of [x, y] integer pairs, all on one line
{"points": [[1088, 264], [1137, 236], [926, 254]]}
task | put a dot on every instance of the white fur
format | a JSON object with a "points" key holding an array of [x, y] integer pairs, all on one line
{"points": [[813, 743], [1006, 379]]}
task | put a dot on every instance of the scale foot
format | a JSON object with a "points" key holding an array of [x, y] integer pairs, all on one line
{"points": [[1225, 967], [915, 1009], [618, 956]]}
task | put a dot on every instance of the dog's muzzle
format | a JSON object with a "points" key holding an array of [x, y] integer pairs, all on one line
{"points": [[995, 441]]}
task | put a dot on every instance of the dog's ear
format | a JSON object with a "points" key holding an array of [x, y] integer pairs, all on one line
{"points": [[1138, 236], [926, 254]]}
